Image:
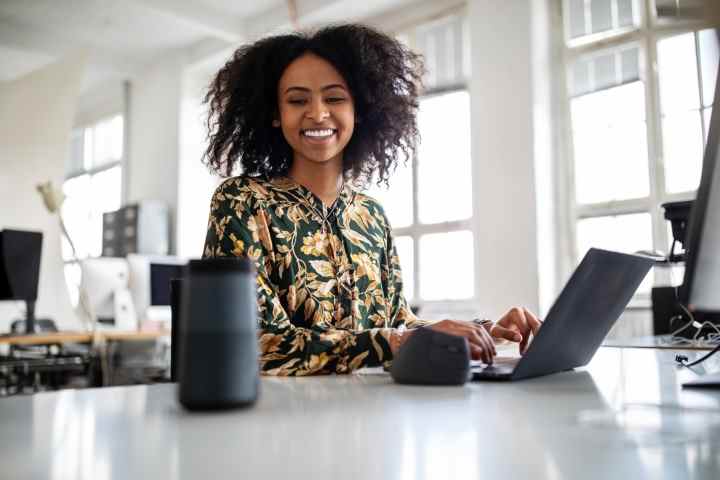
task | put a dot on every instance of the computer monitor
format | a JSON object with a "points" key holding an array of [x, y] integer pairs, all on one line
{"points": [[20, 254], [160, 276], [102, 278], [701, 285]]}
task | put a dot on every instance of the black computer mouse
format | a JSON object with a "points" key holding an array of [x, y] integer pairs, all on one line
{"points": [[432, 358]]}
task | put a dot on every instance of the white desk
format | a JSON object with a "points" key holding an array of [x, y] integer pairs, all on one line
{"points": [[626, 416]]}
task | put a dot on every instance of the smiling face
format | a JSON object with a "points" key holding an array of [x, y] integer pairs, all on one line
{"points": [[316, 109]]}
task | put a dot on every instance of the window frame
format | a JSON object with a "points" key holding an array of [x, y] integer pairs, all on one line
{"points": [[72, 173], [416, 229], [646, 34]]}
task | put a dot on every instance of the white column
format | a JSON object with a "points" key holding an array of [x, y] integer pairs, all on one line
{"points": [[509, 138]]}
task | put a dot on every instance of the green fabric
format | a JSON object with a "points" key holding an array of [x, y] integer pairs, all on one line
{"points": [[329, 282]]}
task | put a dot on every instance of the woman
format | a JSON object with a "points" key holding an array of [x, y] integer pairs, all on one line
{"points": [[304, 116]]}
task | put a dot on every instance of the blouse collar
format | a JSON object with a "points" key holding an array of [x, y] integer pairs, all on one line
{"points": [[288, 185]]}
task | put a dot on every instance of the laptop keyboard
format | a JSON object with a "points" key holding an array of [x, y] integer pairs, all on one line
{"points": [[501, 368]]}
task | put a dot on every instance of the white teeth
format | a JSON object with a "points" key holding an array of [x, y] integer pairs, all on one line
{"points": [[318, 133]]}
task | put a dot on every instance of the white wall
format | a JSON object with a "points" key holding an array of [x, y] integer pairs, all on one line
{"points": [[153, 129], [101, 101], [196, 184], [36, 118], [502, 123]]}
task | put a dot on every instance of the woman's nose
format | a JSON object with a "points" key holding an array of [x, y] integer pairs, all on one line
{"points": [[318, 111]]}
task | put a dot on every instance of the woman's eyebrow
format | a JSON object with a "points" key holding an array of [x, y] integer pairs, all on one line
{"points": [[305, 89]]}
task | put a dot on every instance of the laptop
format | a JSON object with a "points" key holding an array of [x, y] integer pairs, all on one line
{"points": [[587, 308]]}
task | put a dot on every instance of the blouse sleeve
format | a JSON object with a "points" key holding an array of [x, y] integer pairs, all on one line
{"points": [[236, 227]]}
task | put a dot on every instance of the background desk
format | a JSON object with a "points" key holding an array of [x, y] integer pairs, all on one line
{"points": [[105, 343], [626, 416], [48, 338]]}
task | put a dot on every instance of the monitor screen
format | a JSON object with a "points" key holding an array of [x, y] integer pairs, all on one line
{"points": [[160, 276], [701, 285]]}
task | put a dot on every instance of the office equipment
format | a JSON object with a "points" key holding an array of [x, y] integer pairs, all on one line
{"points": [[105, 285], [678, 214], [219, 343], [581, 317], [603, 422], [20, 254], [701, 286], [700, 291], [160, 276], [432, 358], [141, 228], [149, 283]]}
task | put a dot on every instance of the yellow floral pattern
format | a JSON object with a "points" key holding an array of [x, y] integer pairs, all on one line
{"points": [[329, 281]]}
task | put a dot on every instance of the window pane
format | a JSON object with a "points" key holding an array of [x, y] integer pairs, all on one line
{"points": [[404, 247], [678, 75], [444, 168], [576, 13], [622, 233], [598, 72], [107, 142], [625, 13], [605, 71], [596, 16], [609, 136], [441, 44], [106, 190], [447, 266], [601, 15], [76, 214], [683, 151], [397, 200], [709, 58], [630, 61]]}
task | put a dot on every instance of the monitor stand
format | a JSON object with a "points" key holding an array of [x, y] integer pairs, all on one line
{"points": [[31, 325]]}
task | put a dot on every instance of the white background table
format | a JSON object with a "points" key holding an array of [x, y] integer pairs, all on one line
{"points": [[625, 416]]}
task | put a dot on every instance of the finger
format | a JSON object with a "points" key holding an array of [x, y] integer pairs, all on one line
{"points": [[480, 343], [488, 345], [521, 321], [489, 339], [485, 337], [476, 353], [533, 321], [501, 332]]}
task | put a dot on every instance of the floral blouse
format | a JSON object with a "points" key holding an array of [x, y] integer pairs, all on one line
{"points": [[329, 282]]}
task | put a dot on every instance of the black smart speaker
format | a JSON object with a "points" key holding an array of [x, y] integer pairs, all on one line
{"points": [[218, 357]]}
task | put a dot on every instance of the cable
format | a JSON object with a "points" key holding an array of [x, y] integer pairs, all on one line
{"points": [[681, 359]]}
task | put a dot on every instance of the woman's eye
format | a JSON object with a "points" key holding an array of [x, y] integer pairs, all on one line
{"points": [[297, 101], [335, 99]]}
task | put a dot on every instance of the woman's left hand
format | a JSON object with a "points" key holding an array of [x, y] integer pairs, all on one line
{"points": [[517, 325]]}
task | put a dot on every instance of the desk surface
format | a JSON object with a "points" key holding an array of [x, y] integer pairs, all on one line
{"points": [[625, 416], [80, 337]]}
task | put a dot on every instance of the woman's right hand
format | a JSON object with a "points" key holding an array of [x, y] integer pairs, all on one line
{"points": [[482, 345]]}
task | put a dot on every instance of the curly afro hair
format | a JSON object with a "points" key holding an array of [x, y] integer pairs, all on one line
{"points": [[384, 78]]}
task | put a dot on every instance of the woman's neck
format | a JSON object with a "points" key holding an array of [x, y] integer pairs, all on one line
{"points": [[322, 179]]}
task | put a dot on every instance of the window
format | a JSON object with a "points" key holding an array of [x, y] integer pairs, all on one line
{"points": [[93, 186], [429, 202], [636, 132]]}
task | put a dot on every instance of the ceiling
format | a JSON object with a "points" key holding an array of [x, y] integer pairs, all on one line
{"points": [[122, 37]]}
